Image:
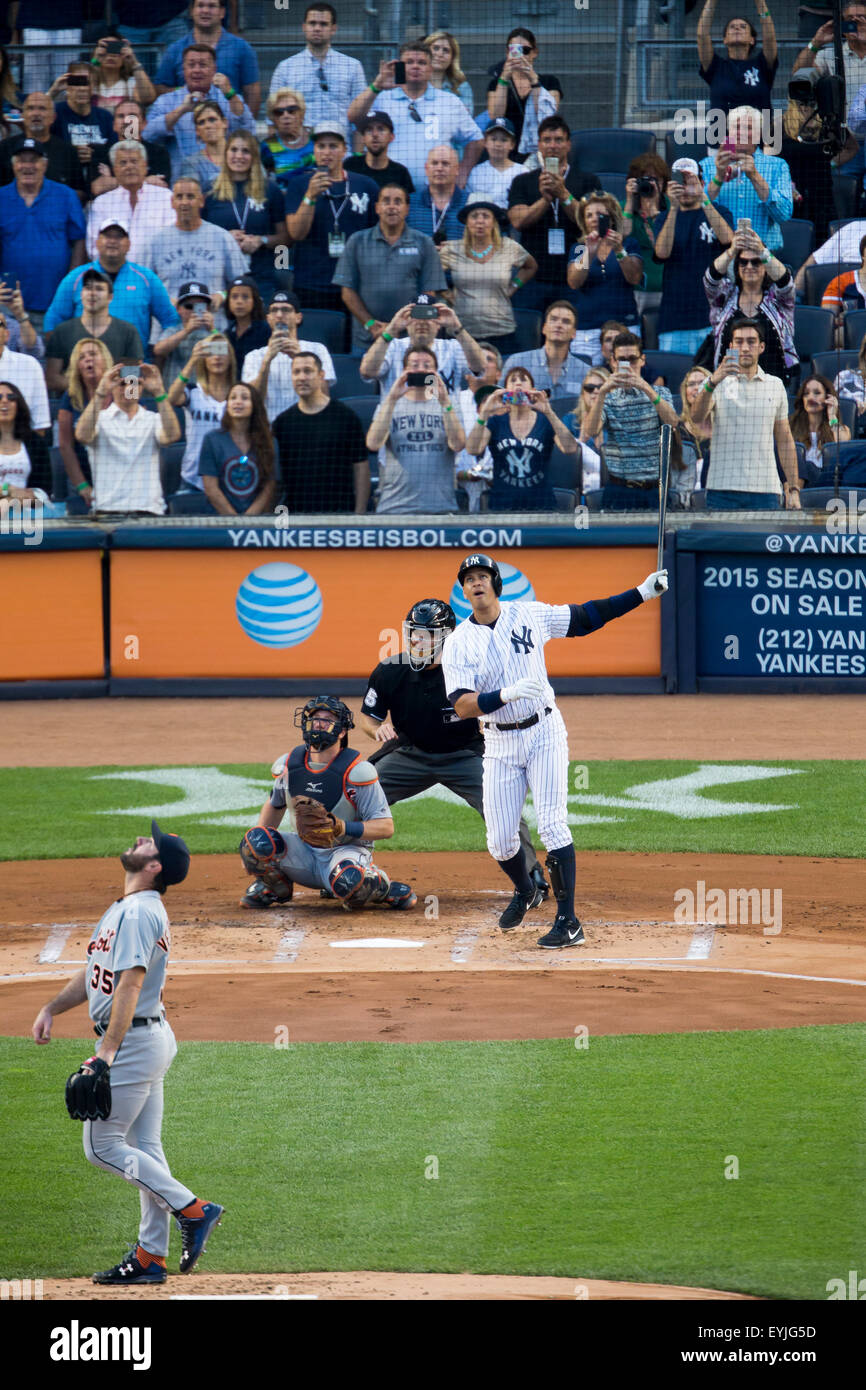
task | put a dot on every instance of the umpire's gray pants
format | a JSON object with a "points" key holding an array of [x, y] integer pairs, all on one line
{"points": [[129, 1142], [408, 771]]}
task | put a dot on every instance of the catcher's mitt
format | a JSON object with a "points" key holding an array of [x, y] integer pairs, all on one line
{"points": [[88, 1091], [315, 825]]}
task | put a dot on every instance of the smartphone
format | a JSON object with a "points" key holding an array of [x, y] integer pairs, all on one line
{"points": [[424, 311], [419, 379], [130, 372], [551, 165], [218, 349], [281, 328], [744, 224], [78, 79], [623, 369], [733, 354], [114, 45], [603, 224], [515, 398], [677, 176], [399, 73], [517, 50]]}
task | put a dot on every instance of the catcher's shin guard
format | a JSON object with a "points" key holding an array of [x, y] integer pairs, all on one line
{"points": [[400, 896], [261, 850], [351, 884]]}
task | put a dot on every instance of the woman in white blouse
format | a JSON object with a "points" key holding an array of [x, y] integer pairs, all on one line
{"points": [[25, 468], [203, 388], [485, 270]]}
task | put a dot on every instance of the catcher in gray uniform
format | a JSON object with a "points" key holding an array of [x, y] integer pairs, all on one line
{"points": [[339, 809]]}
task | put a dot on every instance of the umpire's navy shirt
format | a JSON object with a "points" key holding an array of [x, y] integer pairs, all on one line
{"points": [[419, 707]]}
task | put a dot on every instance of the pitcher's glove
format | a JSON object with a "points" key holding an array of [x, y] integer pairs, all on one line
{"points": [[88, 1091], [315, 825]]}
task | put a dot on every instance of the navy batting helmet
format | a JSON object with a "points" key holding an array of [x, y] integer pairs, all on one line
{"points": [[431, 615], [341, 721], [480, 562]]}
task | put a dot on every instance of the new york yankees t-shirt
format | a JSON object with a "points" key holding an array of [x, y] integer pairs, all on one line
{"points": [[417, 472], [344, 209], [684, 304], [740, 81], [520, 466]]}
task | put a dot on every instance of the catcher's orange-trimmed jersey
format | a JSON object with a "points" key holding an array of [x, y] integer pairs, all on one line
{"points": [[349, 787]]}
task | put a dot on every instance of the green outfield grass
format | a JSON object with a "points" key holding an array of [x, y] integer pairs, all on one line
{"points": [[607, 1162], [93, 812]]}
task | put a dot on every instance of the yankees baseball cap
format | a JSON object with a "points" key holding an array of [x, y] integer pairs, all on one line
{"points": [[27, 146], [287, 297], [173, 854], [193, 289], [500, 123], [686, 166], [329, 128], [114, 222], [93, 274], [376, 118]]}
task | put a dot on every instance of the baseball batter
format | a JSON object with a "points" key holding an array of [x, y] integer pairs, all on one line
{"points": [[422, 741], [494, 667], [339, 809], [118, 1092]]}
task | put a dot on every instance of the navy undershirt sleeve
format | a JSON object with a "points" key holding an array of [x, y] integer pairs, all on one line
{"points": [[589, 617]]}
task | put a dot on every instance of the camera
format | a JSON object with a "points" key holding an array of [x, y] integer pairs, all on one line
{"points": [[423, 311], [826, 94], [645, 187], [849, 26], [114, 45]]}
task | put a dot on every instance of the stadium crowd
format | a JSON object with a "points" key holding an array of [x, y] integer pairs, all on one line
{"points": [[353, 293]]}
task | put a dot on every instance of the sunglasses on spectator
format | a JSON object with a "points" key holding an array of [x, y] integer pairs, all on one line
{"points": [[592, 386], [630, 360], [285, 110], [749, 260], [323, 81], [7, 396], [413, 112]]}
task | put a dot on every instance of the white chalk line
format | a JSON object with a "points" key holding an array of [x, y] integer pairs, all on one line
{"points": [[464, 941], [289, 945], [701, 943]]}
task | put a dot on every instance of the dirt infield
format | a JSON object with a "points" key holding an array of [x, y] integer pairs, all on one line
{"points": [[447, 973]]}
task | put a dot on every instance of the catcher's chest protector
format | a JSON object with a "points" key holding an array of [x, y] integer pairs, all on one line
{"points": [[325, 785]]}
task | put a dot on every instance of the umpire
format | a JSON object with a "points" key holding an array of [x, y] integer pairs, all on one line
{"points": [[424, 744]]}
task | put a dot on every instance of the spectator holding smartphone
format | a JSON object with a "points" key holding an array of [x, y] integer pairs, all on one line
{"points": [[25, 468], [747, 182], [516, 92], [421, 321], [542, 207], [202, 388], [518, 425], [22, 335], [687, 238], [77, 121], [423, 434], [631, 412], [196, 323], [604, 270], [648, 176], [762, 289], [750, 424], [269, 368], [118, 75], [123, 440]]}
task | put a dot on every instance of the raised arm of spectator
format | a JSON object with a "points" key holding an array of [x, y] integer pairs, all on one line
{"points": [[66, 444], [705, 34], [361, 470], [471, 351], [380, 426], [857, 114], [169, 425], [806, 57], [768, 33], [373, 358], [565, 440], [471, 155], [454, 435], [87, 428], [382, 82]]}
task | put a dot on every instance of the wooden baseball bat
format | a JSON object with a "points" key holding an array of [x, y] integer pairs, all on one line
{"points": [[664, 478]]}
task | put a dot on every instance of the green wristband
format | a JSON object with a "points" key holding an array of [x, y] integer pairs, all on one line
{"points": [[517, 282], [163, 397], [80, 487], [656, 399], [184, 379], [374, 89], [369, 324], [231, 94], [620, 255], [446, 408], [479, 421], [834, 423], [716, 181], [502, 81], [388, 337]]}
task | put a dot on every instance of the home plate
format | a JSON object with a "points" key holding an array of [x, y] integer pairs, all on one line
{"points": [[374, 942]]}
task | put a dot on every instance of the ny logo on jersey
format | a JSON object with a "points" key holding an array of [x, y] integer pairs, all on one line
{"points": [[519, 462], [523, 641], [360, 202], [752, 77], [707, 233]]}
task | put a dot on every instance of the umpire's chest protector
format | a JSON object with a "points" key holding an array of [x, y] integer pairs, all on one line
{"points": [[328, 784]]}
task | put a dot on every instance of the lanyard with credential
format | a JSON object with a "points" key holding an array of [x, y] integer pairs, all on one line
{"points": [[442, 215], [241, 221]]}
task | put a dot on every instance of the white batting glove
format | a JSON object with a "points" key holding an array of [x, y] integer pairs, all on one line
{"points": [[526, 689], [654, 585]]}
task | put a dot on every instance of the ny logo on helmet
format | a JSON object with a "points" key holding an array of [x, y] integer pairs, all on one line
{"points": [[522, 640]]}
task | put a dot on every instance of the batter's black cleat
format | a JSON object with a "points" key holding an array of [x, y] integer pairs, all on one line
{"points": [[518, 908], [537, 876], [194, 1231], [132, 1271], [566, 931], [258, 896]]}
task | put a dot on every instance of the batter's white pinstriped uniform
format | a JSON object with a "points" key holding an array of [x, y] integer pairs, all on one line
{"points": [[486, 658]]}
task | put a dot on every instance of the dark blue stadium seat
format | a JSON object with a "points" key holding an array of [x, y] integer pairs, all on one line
{"points": [[798, 242], [326, 326], [829, 364], [855, 327], [610, 148], [673, 366], [613, 182], [852, 464], [813, 330], [349, 380], [818, 277], [528, 329]]}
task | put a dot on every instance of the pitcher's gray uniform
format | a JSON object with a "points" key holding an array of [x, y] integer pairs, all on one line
{"points": [[135, 931]]}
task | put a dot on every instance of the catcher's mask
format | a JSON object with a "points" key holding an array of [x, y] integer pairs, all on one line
{"points": [[480, 562], [341, 722], [425, 628]]}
